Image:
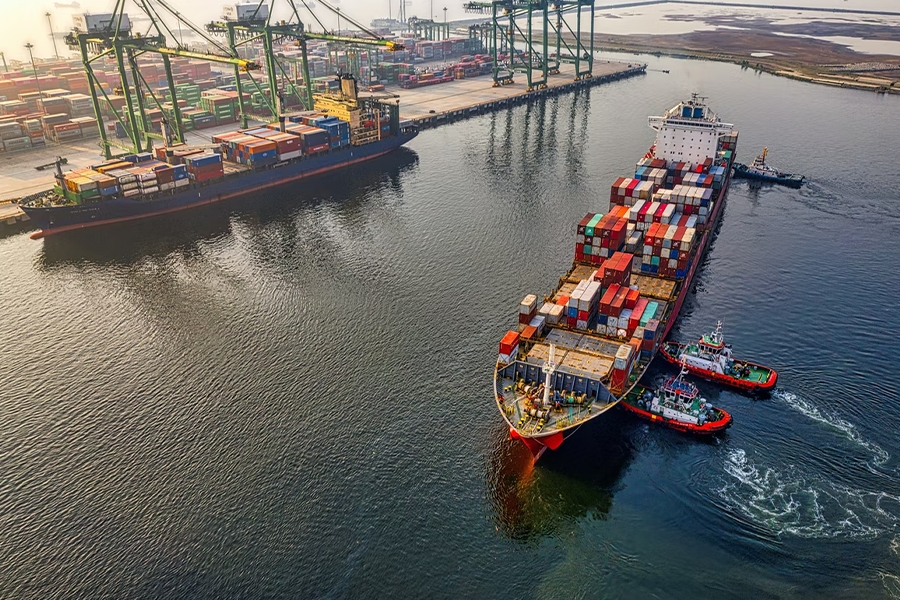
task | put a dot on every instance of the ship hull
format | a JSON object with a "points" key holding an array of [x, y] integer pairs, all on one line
{"points": [[671, 350], [55, 220]]}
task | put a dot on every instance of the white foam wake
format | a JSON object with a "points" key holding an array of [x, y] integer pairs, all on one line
{"points": [[880, 456], [790, 502]]}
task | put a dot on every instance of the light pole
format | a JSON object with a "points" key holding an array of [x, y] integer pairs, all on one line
{"points": [[33, 68], [52, 37], [339, 20], [445, 14]]}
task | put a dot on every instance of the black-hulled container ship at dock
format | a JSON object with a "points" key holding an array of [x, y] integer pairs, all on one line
{"points": [[341, 132], [580, 351]]}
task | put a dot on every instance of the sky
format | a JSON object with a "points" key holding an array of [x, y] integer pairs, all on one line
{"points": [[23, 21]]}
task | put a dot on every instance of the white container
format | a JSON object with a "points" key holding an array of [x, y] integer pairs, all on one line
{"points": [[528, 305], [290, 155]]}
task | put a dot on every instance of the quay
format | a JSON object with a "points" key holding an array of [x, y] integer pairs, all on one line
{"points": [[444, 103]]}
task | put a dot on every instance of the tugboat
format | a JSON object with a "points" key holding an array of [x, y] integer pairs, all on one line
{"points": [[711, 359], [677, 404], [760, 171]]}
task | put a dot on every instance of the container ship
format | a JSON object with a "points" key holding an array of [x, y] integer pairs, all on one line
{"points": [[343, 130], [581, 350]]}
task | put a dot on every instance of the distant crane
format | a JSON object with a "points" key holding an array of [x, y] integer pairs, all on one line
{"points": [[536, 59]]}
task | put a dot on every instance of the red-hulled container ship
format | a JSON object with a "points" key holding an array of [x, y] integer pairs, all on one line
{"points": [[577, 353]]}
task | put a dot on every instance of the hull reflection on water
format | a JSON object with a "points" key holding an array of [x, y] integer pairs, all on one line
{"points": [[531, 503], [184, 233]]}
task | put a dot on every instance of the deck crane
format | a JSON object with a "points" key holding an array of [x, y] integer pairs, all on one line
{"points": [[242, 31], [536, 57], [115, 38]]}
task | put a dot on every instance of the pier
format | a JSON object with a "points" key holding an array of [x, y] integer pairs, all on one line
{"points": [[444, 103]]}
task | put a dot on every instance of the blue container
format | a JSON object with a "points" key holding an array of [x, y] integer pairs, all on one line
{"points": [[680, 274], [572, 311], [259, 161], [179, 172], [645, 268], [132, 158], [109, 191], [645, 355], [143, 157], [654, 269], [673, 253], [205, 159]]}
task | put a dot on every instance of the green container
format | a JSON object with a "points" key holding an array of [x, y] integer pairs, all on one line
{"points": [[654, 260], [589, 229], [649, 313]]}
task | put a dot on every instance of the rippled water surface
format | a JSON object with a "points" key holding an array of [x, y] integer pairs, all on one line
{"points": [[289, 396]]}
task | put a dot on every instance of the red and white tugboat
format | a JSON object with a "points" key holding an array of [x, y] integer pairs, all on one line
{"points": [[711, 359], [677, 404]]}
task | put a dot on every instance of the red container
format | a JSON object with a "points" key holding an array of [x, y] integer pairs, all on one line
{"points": [[631, 298], [509, 342], [201, 177], [629, 191], [208, 169], [562, 300], [530, 332], [571, 322], [166, 175]]}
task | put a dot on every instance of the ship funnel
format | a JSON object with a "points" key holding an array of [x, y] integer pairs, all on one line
{"points": [[348, 87]]}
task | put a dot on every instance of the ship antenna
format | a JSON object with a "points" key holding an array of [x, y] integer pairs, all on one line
{"points": [[717, 336], [549, 368]]}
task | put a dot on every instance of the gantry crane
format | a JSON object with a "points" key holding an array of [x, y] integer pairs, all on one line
{"points": [[116, 39], [247, 30], [535, 59]]}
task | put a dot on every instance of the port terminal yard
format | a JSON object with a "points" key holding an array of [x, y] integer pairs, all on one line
{"points": [[427, 107]]}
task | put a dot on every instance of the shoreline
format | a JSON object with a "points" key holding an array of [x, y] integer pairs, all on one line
{"points": [[788, 70]]}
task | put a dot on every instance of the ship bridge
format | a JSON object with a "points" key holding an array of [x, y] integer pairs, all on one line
{"points": [[688, 132]]}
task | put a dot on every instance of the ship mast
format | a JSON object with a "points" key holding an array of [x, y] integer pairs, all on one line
{"points": [[548, 369]]}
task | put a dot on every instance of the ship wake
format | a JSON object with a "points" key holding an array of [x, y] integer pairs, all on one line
{"points": [[793, 502], [880, 456]]}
